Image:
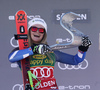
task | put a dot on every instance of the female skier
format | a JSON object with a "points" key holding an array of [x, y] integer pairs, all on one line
{"points": [[42, 58]]}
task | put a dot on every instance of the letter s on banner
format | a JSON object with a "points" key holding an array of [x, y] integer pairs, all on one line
{"points": [[82, 65]]}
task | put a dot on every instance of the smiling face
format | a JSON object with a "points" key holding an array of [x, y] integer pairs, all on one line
{"points": [[36, 36]]}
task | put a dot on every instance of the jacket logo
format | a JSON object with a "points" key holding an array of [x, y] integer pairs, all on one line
{"points": [[39, 56]]}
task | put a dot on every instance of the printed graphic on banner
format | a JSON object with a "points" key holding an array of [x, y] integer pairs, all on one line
{"points": [[83, 65], [75, 87], [12, 17], [42, 72], [60, 40], [13, 42], [84, 13], [69, 87], [18, 87]]}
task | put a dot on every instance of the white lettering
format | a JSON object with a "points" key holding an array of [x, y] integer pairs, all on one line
{"points": [[58, 16], [46, 84], [83, 17], [11, 17], [75, 87], [81, 87], [60, 40]]}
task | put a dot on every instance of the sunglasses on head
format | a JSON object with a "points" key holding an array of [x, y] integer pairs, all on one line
{"points": [[34, 29]]}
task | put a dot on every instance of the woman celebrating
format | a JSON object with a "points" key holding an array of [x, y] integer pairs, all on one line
{"points": [[42, 58]]}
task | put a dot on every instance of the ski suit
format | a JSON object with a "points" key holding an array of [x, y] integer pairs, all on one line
{"points": [[43, 65]]}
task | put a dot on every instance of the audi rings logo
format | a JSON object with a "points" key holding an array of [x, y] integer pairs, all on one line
{"points": [[82, 65], [42, 72], [13, 42], [18, 87]]}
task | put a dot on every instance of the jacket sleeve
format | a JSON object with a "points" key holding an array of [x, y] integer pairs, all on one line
{"points": [[17, 54], [70, 59]]}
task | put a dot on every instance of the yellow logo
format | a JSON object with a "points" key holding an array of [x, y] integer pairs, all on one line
{"points": [[38, 56]]}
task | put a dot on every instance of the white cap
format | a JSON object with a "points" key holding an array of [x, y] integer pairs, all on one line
{"points": [[37, 21]]}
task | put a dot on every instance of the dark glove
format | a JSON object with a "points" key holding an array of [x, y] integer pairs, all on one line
{"points": [[41, 48], [85, 44], [28, 87]]}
